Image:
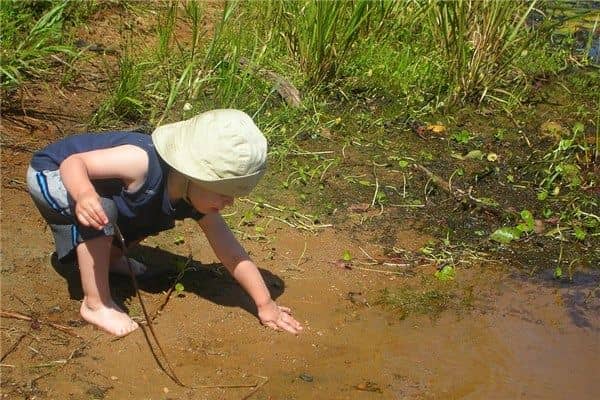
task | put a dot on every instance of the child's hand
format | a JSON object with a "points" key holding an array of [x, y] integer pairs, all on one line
{"points": [[89, 211], [277, 317]]}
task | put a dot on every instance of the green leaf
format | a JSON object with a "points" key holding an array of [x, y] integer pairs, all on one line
{"points": [[179, 240], [179, 287], [523, 228], [527, 217], [557, 273], [474, 155], [506, 235], [347, 256], [445, 274], [579, 233], [543, 195], [462, 137]]}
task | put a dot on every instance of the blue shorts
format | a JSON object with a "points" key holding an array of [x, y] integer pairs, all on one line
{"points": [[52, 200]]}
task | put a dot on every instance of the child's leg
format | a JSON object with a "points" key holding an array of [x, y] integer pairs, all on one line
{"points": [[98, 307]]}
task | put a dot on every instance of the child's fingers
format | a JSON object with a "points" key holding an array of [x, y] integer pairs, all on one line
{"points": [[286, 309], [292, 321], [83, 220], [89, 219], [271, 325], [287, 326], [290, 324], [99, 215]]}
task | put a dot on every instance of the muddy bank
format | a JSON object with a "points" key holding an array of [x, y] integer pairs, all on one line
{"points": [[518, 339]]}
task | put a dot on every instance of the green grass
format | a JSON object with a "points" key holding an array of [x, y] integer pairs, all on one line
{"points": [[479, 40], [31, 34]]}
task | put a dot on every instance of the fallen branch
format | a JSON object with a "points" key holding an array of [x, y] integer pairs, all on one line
{"points": [[458, 194], [23, 317], [286, 90]]}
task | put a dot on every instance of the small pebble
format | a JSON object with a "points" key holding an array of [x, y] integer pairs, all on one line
{"points": [[113, 378], [306, 377], [166, 390]]}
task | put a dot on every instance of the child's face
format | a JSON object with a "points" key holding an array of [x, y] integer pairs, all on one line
{"points": [[207, 202]]}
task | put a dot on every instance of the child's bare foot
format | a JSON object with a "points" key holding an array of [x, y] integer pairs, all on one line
{"points": [[109, 318], [120, 267]]}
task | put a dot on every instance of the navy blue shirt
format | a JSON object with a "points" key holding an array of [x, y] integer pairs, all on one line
{"points": [[144, 212]]}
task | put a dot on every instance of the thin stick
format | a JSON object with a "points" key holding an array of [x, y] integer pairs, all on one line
{"points": [[311, 153], [17, 297], [172, 288], [171, 373], [301, 255], [266, 379], [376, 187], [458, 194], [376, 270], [13, 347], [23, 317], [366, 254]]}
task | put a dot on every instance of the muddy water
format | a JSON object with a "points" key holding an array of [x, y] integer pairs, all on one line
{"points": [[521, 340]]}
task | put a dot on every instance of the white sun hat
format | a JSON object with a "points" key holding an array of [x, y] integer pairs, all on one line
{"points": [[221, 150]]}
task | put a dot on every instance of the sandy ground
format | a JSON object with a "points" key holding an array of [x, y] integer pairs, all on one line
{"points": [[521, 338]]}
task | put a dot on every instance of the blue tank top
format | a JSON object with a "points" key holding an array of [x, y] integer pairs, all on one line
{"points": [[144, 212]]}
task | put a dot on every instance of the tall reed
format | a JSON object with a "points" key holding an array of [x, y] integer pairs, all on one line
{"points": [[128, 99], [321, 33], [479, 39]]}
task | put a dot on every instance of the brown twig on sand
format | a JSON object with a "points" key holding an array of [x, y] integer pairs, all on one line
{"points": [[172, 288], [23, 317], [168, 370], [256, 388], [14, 346]]}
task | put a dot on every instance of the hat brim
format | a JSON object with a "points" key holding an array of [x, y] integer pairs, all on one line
{"points": [[235, 187], [172, 145]]}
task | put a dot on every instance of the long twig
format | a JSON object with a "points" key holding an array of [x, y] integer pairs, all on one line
{"points": [[286, 89], [172, 288], [170, 372], [458, 194], [14, 346], [257, 387], [23, 317]]}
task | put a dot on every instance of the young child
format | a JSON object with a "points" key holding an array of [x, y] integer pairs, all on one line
{"points": [[85, 185]]}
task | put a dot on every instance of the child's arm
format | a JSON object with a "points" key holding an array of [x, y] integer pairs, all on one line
{"points": [[128, 163], [243, 269]]}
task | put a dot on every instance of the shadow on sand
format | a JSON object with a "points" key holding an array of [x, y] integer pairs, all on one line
{"points": [[209, 281]]}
